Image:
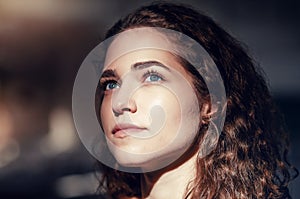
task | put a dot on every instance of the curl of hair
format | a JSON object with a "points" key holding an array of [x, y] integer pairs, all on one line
{"points": [[250, 158]]}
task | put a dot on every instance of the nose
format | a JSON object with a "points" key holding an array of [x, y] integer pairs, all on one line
{"points": [[123, 101]]}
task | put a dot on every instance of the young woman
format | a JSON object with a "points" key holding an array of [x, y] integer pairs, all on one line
{"points": [[158, 111]]}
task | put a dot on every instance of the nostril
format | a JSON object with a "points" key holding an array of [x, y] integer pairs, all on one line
{"points": [[126, 109], [116, 113], [120, 111]]}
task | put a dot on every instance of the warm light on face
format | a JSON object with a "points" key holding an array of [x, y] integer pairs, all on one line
{"points": [[149, 109]]}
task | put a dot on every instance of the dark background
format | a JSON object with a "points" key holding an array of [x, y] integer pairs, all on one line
{"points": [[43, 43]]}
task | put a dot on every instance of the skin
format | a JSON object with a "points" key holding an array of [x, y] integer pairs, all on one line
{"points": [[128, 98], [164, 109], [148, 88]]}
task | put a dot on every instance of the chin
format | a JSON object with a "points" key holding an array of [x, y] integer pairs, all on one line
{"points": [[127, 159], [145, 162]]}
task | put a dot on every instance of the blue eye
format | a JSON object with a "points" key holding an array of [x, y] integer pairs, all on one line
{"points": [[153, 78], [110, 85]]}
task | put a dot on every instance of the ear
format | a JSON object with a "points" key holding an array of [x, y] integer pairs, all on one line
{"points": [[207, 112], [211, 135]]}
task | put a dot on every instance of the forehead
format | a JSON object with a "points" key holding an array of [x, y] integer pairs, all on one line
{"points": [[136, 39]]}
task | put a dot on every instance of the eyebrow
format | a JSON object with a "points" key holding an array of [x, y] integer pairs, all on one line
{"points": [[108, 73], [147, 64], [136, 66]]}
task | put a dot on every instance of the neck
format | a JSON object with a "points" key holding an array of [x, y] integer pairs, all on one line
{"points": [[170, 182]]}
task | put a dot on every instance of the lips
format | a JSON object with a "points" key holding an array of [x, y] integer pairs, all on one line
{"points": [[122, 130]]}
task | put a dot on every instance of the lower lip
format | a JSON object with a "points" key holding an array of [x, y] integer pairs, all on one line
{"points": [[127, 132]]}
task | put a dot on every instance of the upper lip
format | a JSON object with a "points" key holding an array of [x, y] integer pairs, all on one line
{"points": [[124, 126]]}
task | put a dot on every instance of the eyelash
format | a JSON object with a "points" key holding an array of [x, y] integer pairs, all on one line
{"points": [[104, 83], [152, 72]]}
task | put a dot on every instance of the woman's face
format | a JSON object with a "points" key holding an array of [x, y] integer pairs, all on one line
{"points": [[150, 112]]}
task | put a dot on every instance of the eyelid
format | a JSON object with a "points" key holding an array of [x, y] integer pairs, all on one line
{"points": [[152, 72], [105, 80]]}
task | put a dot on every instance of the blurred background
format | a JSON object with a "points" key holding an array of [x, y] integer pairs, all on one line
{"points": [[42, 45]]}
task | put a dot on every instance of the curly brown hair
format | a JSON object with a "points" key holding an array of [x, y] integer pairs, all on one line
{"points": [[250, 160]]}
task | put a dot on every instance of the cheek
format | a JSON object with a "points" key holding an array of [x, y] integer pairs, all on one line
{"points": [[105, 113], [159, 102], [163, 115], [176, 103], [182, 116]]}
